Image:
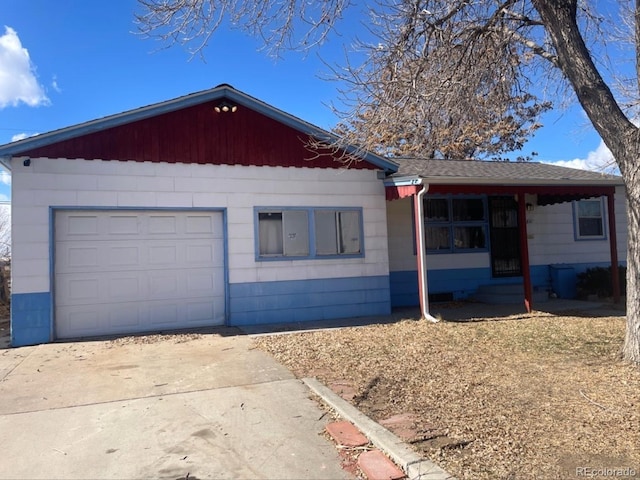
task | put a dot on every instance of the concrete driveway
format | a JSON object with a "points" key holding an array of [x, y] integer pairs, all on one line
{"points": [[177, 406]]}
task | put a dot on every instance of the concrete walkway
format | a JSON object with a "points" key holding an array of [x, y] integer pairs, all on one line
{"points": [[176, 406]]}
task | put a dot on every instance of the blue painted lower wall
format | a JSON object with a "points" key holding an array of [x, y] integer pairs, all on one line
{"points": [[308, 300], [250, 304], [464, 282], [30, 318]]}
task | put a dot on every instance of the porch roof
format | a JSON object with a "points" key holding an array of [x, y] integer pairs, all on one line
{"points": [[475, 172]]}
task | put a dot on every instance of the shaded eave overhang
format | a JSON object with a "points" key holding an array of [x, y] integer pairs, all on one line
{"points": [[225, 92]]}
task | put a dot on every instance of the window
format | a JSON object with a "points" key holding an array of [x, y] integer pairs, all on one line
{"points": [[337, 232], [455, 224], [589, 219], [284, 233], [308, 233]]}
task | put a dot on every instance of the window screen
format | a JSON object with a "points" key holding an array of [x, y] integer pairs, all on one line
{"points": [[284, 233], [296, 233], [337, 232], [270, 233], [349, 228], [326, 232], [590, 219]]}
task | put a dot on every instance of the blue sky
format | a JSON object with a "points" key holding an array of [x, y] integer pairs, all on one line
{"points": [[67, 62]]}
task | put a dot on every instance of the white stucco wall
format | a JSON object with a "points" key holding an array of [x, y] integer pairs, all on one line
{"points": [[238, 189], [552, 239]]}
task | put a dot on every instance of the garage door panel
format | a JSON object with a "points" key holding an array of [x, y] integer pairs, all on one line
{"points": [[165, 284], [201, 281], [80, 224], [198, 311], [80, 290], [124, 288], [82, 257], [121, 224], [163, 313], [124, 317], [76, 257], [199, 253], [162, 224], [78, 319], [162, 255], [137, 271], [88, 288], [123, 256], [202, 224]]}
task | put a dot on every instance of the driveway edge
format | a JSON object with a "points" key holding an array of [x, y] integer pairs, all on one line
{"points": [[415, 466]]}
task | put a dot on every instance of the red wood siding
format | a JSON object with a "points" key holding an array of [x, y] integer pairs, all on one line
{"points": [[198, 135]]}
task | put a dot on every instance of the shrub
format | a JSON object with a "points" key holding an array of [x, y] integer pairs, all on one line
{"points": [[597, 281]]}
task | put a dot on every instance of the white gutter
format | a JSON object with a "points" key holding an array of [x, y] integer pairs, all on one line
{"points": [[422, 249]]}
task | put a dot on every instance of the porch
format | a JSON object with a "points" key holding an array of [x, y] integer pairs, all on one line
{"points": [[474, 222]]}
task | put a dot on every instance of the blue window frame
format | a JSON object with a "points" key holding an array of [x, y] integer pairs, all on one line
{"points": [[456, 223], [298, 233], [589, 219]]}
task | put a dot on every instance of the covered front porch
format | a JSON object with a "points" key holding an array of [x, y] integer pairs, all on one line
{"points": [[470, 230]]}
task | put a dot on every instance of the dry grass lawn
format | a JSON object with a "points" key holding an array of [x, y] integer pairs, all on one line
{"points": [[519, 397]]}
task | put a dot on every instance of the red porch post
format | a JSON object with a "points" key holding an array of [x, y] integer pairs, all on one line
{"points": [[524, 252], [615, 274]]}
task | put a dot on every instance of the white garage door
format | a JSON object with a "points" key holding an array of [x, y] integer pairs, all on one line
{"points": [[134, 271]]}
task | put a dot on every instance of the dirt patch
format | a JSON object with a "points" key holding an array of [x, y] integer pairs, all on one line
{"points": [[528, 396], [155, 338]]}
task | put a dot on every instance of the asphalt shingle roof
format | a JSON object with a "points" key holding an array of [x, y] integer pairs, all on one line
{"points": [[450, 171]]}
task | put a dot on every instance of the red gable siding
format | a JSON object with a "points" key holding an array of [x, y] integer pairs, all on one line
{"points": [[197, 134]]}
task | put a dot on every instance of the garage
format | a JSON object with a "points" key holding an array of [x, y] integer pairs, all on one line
{"points": [[125, 271]]}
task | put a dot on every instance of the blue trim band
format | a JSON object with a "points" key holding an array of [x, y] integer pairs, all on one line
{"points": [[30, 318], [308, 300], [464, 282]]}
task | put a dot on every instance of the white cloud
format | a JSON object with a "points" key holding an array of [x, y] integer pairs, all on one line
{"points": [[18, 82], [5, 177], [54, 84], [19, 136], [598, 160]]}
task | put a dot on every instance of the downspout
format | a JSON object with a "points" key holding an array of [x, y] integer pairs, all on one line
{"points": [[422, 254]]}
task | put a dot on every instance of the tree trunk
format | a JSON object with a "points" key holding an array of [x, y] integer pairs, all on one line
{"points": [[615, 129], [631, 347]]}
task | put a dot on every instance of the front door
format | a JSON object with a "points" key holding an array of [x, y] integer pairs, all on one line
{"points": [[505, 237]]}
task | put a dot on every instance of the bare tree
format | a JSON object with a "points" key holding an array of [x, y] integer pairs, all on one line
{"points": [[425, 94], [5, 253], [470, 48], [192, 23], [5, 232]]}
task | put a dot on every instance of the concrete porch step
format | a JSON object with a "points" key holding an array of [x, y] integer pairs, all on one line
{"points": [[511, 293]]}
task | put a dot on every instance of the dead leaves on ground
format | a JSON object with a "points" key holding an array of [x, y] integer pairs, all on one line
{"points": [[528, 397]]}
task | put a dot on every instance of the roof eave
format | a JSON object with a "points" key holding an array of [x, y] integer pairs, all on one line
{"points": [[518, 182]]}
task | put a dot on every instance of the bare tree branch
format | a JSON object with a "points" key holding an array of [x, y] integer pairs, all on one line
{"points": [[280, 24]]}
